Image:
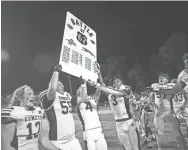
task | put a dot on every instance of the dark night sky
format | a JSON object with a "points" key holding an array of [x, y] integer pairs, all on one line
{"points": [[133, 29]]}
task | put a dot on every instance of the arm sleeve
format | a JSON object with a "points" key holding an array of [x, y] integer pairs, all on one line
{"points": [[45, 102], [7, 116], [181, 80], [108, 90]]}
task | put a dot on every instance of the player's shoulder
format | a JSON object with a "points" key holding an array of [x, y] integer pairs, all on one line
{"points": [[15, 112], [68, 94], [39, 110], [155, 85], [170, 84], [182, 74], [127, 87], [110, 87], [186, 89]]}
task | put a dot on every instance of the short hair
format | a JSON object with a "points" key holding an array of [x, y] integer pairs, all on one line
{"points": [[165, 75], [185, 56], [17, 95]]}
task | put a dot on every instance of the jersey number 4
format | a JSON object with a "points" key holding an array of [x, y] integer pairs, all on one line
{"points": [[113, 97], [88, 106], [31, 134]]}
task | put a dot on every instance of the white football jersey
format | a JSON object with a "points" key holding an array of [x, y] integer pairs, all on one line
{"points": [[183, 76], [120, 106], [28, 123], [88, 115], [59, 114], [162, 101]]}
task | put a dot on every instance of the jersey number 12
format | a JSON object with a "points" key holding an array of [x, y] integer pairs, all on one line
{"points": [[35, 135]]}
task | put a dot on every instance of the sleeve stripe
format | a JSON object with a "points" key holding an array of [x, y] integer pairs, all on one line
{"points": [[6, 110], [42, 94], [5, 114], [11, 108]]}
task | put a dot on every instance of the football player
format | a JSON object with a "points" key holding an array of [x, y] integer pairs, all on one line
{"points": [[164, 112], [136, 109], [147, 116], [182, 80], [179, 104], [22, 121], [88, 97], [58, 109], [118, 97]]}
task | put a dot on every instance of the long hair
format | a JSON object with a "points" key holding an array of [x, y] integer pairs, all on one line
{"points": [[18, 96]]}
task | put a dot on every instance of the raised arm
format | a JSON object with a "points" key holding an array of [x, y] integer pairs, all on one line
{"points": [[82, 92], [108, 90], [53, 83], [178, 88], [98, 91]]}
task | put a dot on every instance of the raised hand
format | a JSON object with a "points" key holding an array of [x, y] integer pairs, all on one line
{"points": [[91, 83], [82, 81], [96, 67], [58, 68]]}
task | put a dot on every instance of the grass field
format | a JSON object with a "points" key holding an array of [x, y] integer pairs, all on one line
{"points": [[110, 133]]}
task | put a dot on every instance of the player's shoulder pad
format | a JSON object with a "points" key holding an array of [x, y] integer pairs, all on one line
{"points": [[126, 86], [15, 112], [68, 94], [40, 111], [155, 85], [170, 85], [181, 75], [110, 87]]}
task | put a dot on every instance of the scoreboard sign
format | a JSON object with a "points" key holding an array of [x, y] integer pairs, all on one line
{"points": [[79, 49]]}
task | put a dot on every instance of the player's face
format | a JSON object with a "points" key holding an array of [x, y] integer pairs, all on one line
{"points": [[186, 63], [163, 80], [117, 83], [137, 96], [60, 87], [29, 97]]}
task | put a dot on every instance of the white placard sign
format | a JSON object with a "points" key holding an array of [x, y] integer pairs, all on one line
{"points": [[79, 49]]}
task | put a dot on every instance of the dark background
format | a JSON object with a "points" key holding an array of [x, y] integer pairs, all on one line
{"points": [[151, 35]]}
